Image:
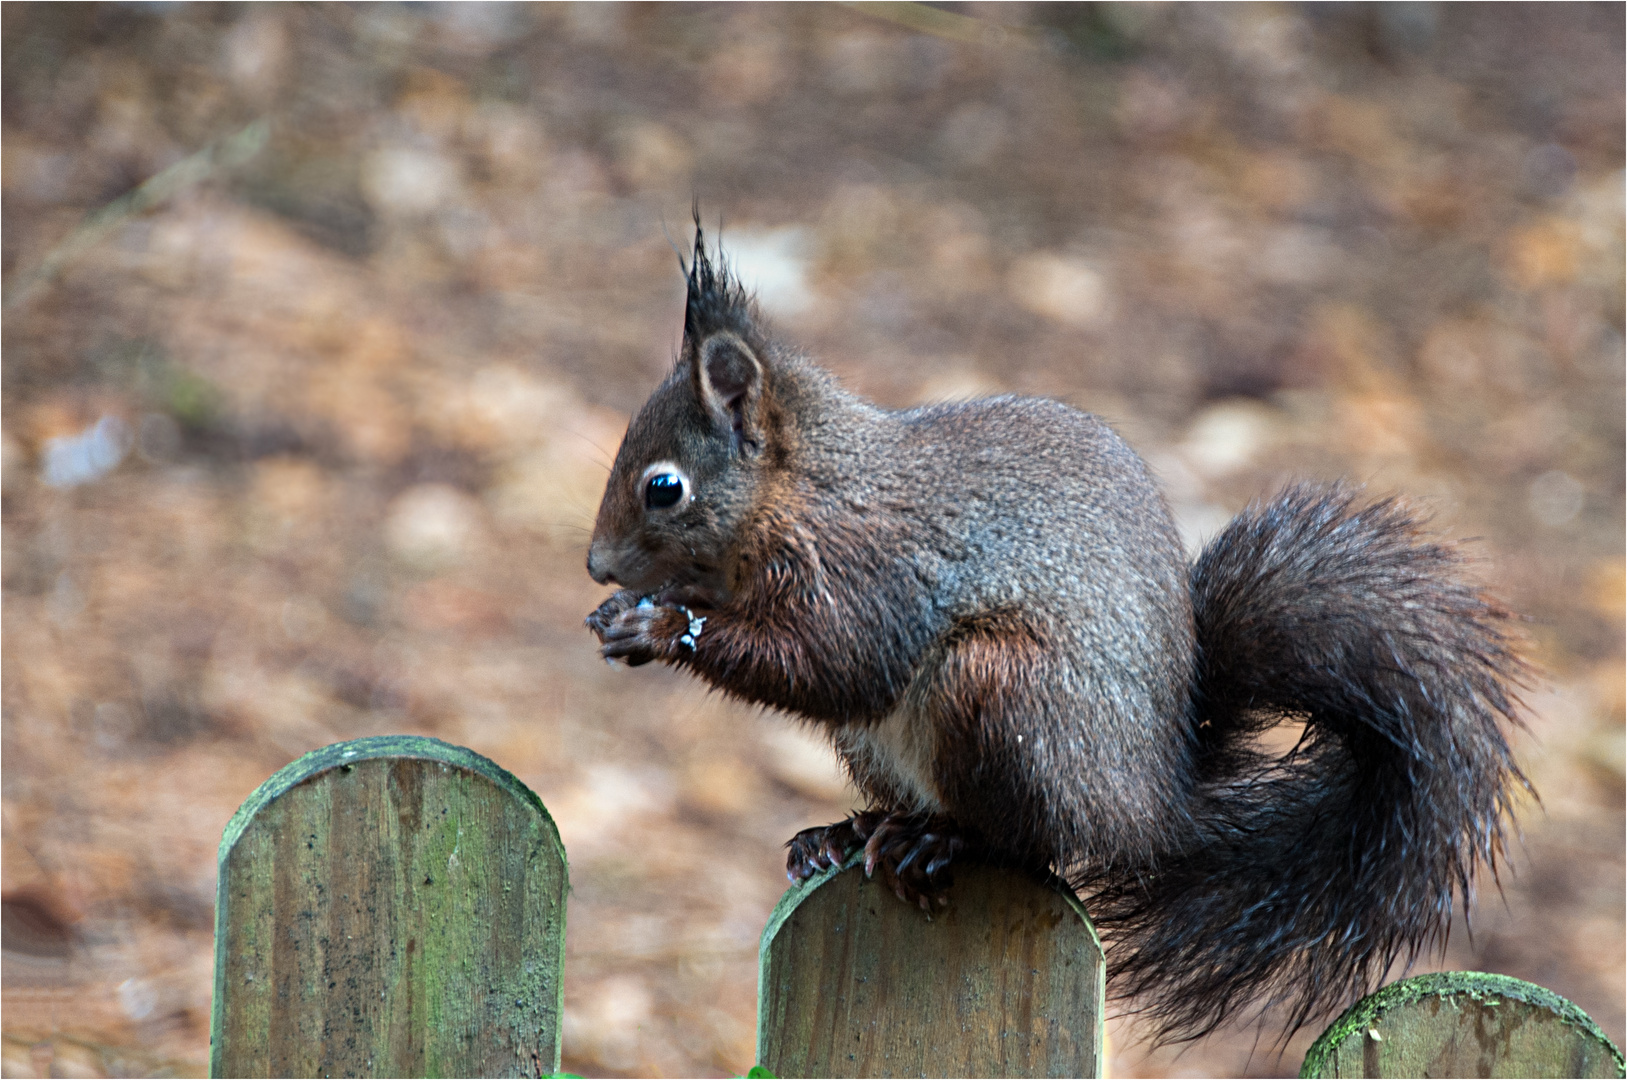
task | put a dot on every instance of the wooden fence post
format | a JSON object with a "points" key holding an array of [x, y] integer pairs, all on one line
{"points": [[1463, 1023], [1006, 981], [389, 907]]}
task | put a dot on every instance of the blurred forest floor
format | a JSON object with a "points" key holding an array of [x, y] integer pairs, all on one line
{"points": [[302, 438]]}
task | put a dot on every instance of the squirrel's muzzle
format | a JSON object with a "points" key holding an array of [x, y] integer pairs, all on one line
{"points": [[598, 565]]}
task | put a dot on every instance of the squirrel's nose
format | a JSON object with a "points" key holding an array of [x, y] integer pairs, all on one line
{"points": [[597, 569]]}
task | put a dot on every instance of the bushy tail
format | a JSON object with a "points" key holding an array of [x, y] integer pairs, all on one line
{"points": [[1306, 877]]}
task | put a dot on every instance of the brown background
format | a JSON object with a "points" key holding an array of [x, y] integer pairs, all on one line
{"points": [[357, 393]]}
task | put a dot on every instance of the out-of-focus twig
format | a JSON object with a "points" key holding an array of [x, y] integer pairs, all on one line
{"points": [[945, 24], [225, 153]]}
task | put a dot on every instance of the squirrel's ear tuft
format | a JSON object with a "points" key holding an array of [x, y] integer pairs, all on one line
{"points": [[726, 346], [716, 300], [729, 383]]}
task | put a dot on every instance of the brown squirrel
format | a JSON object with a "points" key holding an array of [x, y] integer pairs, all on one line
{"points": [[987, 607]]}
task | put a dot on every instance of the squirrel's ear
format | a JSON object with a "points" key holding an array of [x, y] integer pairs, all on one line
{"points": [[729, 382]]}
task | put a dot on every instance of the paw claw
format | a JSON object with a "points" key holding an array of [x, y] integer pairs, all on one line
{"points": [[910, 854]]}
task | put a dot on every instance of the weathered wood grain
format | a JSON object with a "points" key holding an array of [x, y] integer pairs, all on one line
{"points": [[1463, 1023], [1007, 981], [389, 907]]}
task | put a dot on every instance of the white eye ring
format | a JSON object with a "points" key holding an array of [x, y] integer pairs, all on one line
{"points": [[654, 493]]}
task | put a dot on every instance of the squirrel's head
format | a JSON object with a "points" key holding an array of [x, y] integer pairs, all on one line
{"points": [[690, 466]]}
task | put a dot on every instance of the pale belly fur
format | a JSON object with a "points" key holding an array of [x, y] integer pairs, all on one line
{"points": [[898, 751]]}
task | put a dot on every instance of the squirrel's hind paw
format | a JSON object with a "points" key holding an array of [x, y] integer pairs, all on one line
{"points": [[911, 852], [814, 850]]}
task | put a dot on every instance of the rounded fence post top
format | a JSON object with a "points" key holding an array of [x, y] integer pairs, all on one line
{"points": [[343, 754], [1478, 986], [794, 897]]}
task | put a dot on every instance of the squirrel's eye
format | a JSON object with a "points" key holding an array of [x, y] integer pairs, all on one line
{"points": [[663, 490]]}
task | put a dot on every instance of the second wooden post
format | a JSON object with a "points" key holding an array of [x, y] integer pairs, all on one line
{"points": [[1006, 981]]}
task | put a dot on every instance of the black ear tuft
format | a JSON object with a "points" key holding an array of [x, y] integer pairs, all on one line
{"points": [[717, 301]]}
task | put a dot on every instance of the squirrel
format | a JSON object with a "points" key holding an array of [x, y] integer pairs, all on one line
{"points": [[987, 607]]}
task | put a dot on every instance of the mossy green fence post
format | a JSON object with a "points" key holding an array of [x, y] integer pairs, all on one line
{"points": [[389, 907], [1006, 981], [1463, 1023]]}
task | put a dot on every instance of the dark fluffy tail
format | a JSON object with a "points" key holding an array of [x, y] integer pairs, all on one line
{"points": [[1307, 877]]}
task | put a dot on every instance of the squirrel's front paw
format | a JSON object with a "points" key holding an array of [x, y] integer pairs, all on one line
{"points": [[649, 631], [605, 614]]}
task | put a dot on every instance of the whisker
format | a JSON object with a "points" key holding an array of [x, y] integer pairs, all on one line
{"points": [[606, 456]]}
